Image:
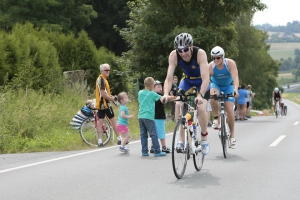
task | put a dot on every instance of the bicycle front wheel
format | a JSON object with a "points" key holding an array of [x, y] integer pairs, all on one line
{"points": [[224, 137], [198, 157], [89, 134], [179, 156]]}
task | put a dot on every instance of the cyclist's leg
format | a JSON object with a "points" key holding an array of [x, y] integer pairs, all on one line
{"points": [[214, 89], [229, 103]]}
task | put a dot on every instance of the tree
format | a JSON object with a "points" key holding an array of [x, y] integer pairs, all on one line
{"points": [[296, 73], [255, 65], [154, 24], [58, 15]]}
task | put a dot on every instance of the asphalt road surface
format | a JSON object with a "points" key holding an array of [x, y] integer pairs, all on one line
{"points": [[265, 165]]}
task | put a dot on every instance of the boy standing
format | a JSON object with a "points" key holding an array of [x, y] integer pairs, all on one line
{"points": [[146, 99]]}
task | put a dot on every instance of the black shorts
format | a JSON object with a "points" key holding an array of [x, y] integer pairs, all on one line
{"points": [[108, 112], [247, 104]]}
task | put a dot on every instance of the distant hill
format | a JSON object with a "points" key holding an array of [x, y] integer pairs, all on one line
{"points": [[283, 50]]}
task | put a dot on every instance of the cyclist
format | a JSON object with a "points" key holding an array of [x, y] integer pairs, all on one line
{"points": [[224, 77], [276, 96], [193, 62], [283, 107]]}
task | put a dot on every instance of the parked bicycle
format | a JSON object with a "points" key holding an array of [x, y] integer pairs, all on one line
{"points": [[224, 131], [191, 139], [88, 130]]}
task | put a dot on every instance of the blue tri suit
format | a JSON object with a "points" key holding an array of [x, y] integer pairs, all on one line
{"points": [[191, 73], [222, 80]]}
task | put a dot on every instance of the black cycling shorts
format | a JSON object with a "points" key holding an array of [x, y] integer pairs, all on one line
{"points": [[108, 112]]}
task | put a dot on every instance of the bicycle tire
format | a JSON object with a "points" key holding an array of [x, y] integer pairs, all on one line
{"points": [[89, 134], [276, 112], [198, 157], [285, 111], [179, 157], [224, 137]]}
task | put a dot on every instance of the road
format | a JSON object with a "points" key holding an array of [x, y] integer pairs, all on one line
{"points": [[261, 167]]}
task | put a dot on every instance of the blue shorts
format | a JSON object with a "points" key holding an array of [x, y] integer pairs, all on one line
{"points": [[227, 90], [187, 84], [160, 128]]}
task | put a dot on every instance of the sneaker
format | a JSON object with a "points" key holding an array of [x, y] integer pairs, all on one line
{"points": [[165, 149], [100, 145], [160, 154], [215, 124], [145, 154], [119, 142], [205, 147], [232, 143], [124, 149], [179, 145], [151, 150]]}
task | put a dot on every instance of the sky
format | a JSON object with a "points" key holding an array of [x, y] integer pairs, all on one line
{"points": [[279, 12]]}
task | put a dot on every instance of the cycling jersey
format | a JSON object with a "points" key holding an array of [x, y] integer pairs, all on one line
{"points": [[222, 77], [101, 102], [277, 96]]}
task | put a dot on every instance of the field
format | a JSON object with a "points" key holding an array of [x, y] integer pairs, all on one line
{"points": [[283, 50], [284, 78]]}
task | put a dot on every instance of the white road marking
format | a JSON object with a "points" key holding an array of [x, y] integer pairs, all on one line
{"points": [[296, 123], [277, 140]]}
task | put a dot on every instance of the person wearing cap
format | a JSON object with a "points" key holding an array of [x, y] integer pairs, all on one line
{"points": [[193, 62], [160, 118]]}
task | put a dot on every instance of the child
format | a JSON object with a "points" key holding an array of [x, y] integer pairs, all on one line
{"points": [[123, 116], [146, 99], [160, 117]]}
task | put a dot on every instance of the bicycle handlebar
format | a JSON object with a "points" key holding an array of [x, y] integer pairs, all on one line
{"points": [[183, 96], [221, 96]]}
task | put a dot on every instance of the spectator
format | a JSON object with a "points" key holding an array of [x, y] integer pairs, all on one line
{"points": [[251, 95], [241, 102]]}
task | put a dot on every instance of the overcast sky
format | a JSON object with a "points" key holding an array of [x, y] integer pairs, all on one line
{"points": [[279, 12]]}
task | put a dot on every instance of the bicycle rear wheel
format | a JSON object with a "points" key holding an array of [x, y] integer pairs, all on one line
{"points": [[89, 134], [198, 157], [224, 138], [179, 156]]}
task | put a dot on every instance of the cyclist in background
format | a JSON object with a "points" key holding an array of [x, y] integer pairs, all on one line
{"points": [[284, 107], [224, 77], [193, 62], [276, 96]]}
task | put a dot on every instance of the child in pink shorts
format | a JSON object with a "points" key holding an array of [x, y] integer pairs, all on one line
{"points": [[122, 124]]}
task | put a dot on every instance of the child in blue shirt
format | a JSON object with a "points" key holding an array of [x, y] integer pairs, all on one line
{"points": [[123, 116], [146, 99]]}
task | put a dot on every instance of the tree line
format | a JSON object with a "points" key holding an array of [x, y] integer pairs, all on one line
{"points": [[135, 36]]}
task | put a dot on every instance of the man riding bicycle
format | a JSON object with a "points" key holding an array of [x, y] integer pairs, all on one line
{"points": [[276, 96], [224, 77], [193, 62]]}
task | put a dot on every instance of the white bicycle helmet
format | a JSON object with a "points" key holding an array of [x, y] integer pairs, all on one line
{"points": [[276, 89], [183, 40], [217, 51]]}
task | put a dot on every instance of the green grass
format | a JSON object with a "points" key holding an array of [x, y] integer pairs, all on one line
{"points": [[32, 121], [285, 78], [295, 97], [283, 50]]}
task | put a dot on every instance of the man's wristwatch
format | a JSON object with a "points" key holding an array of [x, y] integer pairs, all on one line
{"points": [[202, 95]]}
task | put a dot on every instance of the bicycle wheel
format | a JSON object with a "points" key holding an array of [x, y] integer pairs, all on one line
{"points": [[285, 111], [198, 157], [179, 157], [224, 137], [89, 134]]}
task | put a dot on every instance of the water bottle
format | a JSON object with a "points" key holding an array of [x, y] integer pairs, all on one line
{"points": [[194, 130]]}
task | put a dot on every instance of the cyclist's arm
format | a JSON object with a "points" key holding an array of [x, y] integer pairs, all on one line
{"points": [[234, 73], [204, 70], [170, 73]]}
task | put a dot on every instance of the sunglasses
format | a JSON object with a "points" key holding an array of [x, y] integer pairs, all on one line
{"points": [[107, 70], [183, 50], [218, 58]]}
